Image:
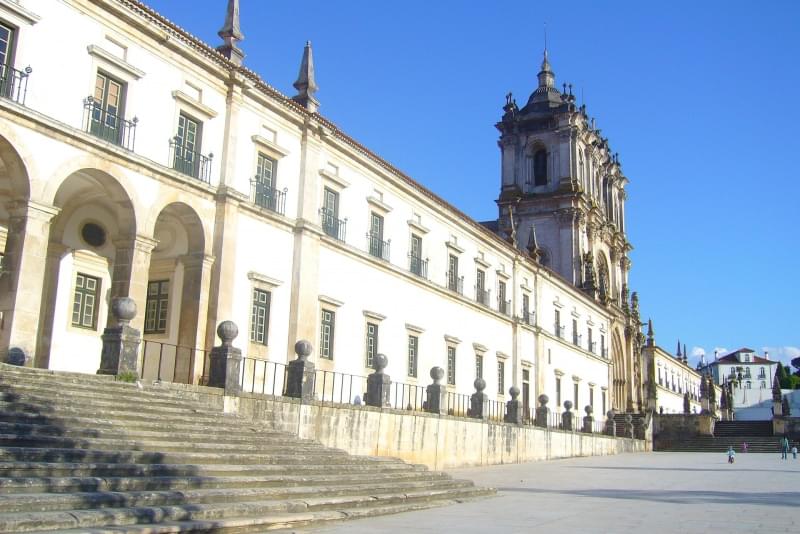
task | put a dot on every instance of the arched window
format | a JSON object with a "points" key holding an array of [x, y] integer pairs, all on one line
{"points": [[540, 167]]}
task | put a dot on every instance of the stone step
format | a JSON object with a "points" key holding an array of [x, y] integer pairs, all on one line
{"points": [[162, 445], [44, 469], [42, 404], [43, 484], [82, 519]]}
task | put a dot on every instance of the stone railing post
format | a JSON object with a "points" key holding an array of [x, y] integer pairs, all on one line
{"points": [[542, 411], [567, 417], [436, 392], [379, 384], [225, 365], [629, 426], [513, 407], [479, 401], [121, 343], [300, 373], [611, 424], [588, 420]]}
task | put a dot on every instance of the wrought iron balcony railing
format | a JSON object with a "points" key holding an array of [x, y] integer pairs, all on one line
{"points": [[558, 330], [418, 266], [482, 296], [377, 247], [455, 283], [593, 347], [576, 339], [14, 83], [504, 306], [605, 353], [190, 162], [268, 197], [331, 225], [527, 317], [108, 126]]}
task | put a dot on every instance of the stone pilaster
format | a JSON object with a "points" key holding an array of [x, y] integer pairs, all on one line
{"points": [[436, 393], [130, 274], [568, 418], [542, 411], [22, 279], [479, 401], [226, 361], [513, 407], [378, 383], [121, 342], [588, 420], [193, 315], [300, 373]]}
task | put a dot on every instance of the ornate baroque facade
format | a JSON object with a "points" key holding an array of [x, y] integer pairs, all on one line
{"points": [[138, 161]]}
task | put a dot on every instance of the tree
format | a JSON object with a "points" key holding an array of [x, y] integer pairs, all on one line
{"points": [[786, 379], [796, 365]]}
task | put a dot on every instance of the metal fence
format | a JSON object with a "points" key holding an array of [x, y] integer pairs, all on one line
{"points": [[108, 126], [262, 376], [167, 362], [14, 83]]}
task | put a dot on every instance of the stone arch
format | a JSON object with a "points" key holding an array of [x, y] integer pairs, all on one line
{"points": [[92, 241], [176, 306], [620, 398], [537, 163]]}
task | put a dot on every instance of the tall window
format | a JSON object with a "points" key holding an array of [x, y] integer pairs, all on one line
{"points": [[155, 318], [107, 108], [371, 345], [558, 391], [264, 182], [526, 309], [557, 325], [501, 376], [480, 287], [413, 348], [452, 272], [330, 214], [6, 47], [84, 304], [451, 366], [479, 366], [415, 255], [326, 332], [259, 316], [187, 146], [590, 342], [575, 395], [591, 397], [604, 402], [574, 331], [501, 297], [540, 167], [603, 346], [376, 244]]}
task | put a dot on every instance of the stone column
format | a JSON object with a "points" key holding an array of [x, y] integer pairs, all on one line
{"points": [[479, 401], [588, 420], [120, 354], [378, 383], [300, 373], [193, 315], [226, 361], [514, 407], [130, 274], [567, 417], [542, 411], [436, 393], [611, 425], [22, 281]]}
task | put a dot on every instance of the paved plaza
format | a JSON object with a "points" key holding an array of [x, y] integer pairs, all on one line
{"points": [[649, 492]]}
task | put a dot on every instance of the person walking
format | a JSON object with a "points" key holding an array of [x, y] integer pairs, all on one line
{"points": [[784, 448], [744, 447], [731, 454], [794, 452]]}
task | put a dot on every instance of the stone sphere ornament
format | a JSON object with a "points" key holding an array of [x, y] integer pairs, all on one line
{"points": [[588, 409], [543, 399], [227, 332], [480, 384], [437, 373], [123, 309], [303, 349], [567, 405], [379, 362], [514, 392]]}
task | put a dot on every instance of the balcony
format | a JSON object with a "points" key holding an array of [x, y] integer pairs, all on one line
{"points": [[604, 353], [14, 83], [418, 266], [331, 225], [558, 330], [107, 126], [593, 347], [377, 246], [576, 339], [268, 197], [482, 296], [527, 317], [455, 283], [504, 306], [189, 162]]}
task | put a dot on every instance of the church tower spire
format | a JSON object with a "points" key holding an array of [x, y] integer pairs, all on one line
{"points": [[547, 77], [305, 84], [231, 33]]}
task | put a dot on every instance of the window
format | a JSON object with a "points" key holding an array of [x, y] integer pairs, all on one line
{"points": [[413, 347], [107, 109], [377, 247], [501, 297], [155, 318], [84, 306], [481, 295], [451, 366], [763, 384], [415, 256], [540, 167], [264, 183], [478, 366], [590, 344], [603, 346], [501, 376], [558, 391], [575, 394], [7, 35], [574, 331], [591, 397], [660, 381], [187, 146], [259, 317], [557, 325], [326, 331], [452, 273], [371, 346], [329, 214], [604, 402], [526, 307]]}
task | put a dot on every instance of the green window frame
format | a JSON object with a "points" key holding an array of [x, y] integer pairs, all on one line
{"points": [[7, 39], [413, 351], [157, 307], [451, 366], [326, 333], [84, 304], [478, 366], [371, 344], [501, 376], [259, 317]]}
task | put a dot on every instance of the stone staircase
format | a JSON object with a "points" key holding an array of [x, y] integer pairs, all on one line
{"points": [[757, 434], [620, 423], [84, 453]]}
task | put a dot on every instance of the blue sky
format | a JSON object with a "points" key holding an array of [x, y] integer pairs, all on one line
{"points": [[699, 99]]}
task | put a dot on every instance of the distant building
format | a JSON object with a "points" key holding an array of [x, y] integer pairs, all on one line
{"points": [[744, 368]]}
